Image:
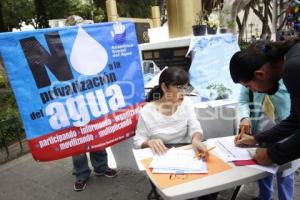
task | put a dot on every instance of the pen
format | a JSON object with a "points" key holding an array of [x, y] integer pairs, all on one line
{"points": [[241, 133], [199, 155]]}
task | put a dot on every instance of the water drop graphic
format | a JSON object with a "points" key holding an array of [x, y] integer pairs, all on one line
{"points": [[88, 57]]}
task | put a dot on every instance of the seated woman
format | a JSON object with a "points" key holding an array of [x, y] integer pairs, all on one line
{"points": [[169, 117]]}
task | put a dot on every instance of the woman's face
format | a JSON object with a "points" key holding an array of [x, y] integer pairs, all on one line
{"points": [[174, 93]]}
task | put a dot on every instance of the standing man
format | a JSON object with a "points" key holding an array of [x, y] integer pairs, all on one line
{"points": [[259, 112], [259, 68]]}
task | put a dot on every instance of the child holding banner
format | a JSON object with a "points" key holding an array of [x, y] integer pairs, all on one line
{"points": [[98, 158], [169, 118]]}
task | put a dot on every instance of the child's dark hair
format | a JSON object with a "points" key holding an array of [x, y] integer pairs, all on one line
{"points": [[170, 76], [244, 63]]}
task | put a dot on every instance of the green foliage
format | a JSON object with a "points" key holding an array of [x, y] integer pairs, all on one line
{"points": [[2, 81], [9, 117], [201, 18], [37, 12], [214, 24], [133, 8], [99, 15], [223, 16], [10, 123], [218, 91], [14, 12], [41, 19], [57, 9], [11, 130], [34, 12], [244, 45], [230, 24], [3, 76], [76, 7], [8, 106]]}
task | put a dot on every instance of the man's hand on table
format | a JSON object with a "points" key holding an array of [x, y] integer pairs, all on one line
{"points": [[262, 157]]}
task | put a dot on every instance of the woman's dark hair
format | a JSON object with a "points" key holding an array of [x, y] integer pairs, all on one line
{"points": [[170, 76], [244, 63]]}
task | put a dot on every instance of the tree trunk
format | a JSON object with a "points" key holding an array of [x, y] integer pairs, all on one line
{"points": [[281, 8], [42, 19], [2, 25], [242, 26], [235, 6], [161, 4], [283, 14], [282, 24], [265, 20], [274, 21]]}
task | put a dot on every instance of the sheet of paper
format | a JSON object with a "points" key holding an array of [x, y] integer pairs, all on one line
{"points": [[227, 151], [141, 154], [178, 160]]}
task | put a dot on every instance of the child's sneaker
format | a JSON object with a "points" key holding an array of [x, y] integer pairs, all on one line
{"points": [[79, 185], [110, 173]]}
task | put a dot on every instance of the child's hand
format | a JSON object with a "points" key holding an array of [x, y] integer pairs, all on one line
{"points": [[244, 140]]}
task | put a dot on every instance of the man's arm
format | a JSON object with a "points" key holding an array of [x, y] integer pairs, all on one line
{"points": [[288, 126], [286, 151]]}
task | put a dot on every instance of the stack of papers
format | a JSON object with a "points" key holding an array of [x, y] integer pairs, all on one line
{"points": [[178, 161]]}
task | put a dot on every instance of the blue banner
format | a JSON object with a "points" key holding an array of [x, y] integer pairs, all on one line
{"points": [[209, 71], [78, 88]]}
